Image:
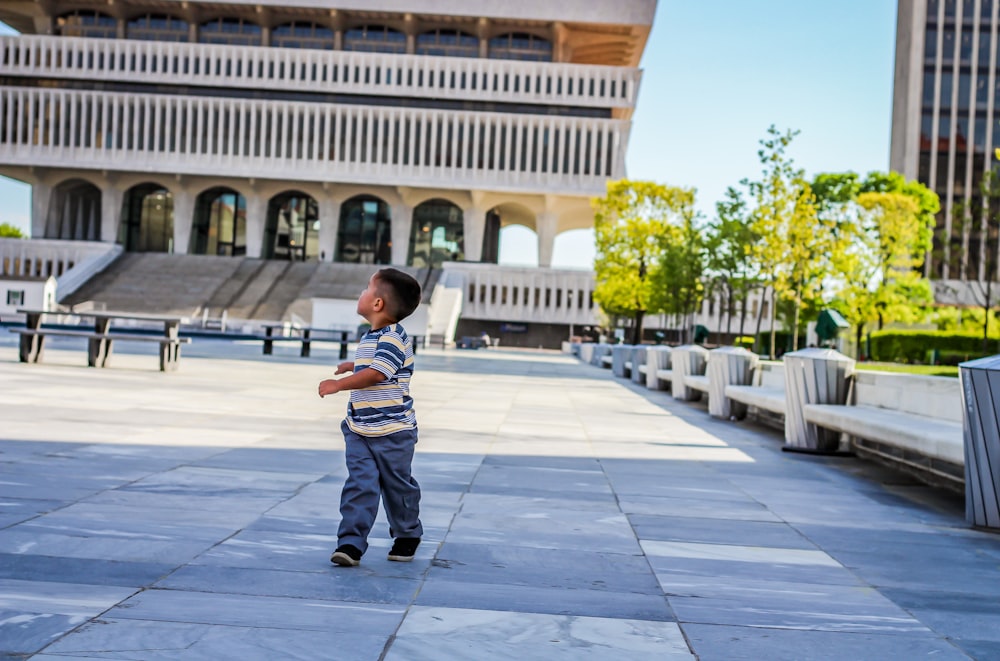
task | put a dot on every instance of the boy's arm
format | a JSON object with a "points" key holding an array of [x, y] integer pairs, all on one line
{"points": [[360, 379]]}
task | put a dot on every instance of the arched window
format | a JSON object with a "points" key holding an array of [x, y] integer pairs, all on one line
{"points": [[157, 27], [364, 234], [302, 35], [437, 235], [291, 228], [147, 223], [86, 23], [232, 31], [520, 46], [375, 39], [451, 43], [220, 223], [74, 212]]}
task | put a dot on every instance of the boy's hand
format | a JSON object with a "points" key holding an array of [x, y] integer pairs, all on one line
{"points": [[328, 387], [345, 367]]}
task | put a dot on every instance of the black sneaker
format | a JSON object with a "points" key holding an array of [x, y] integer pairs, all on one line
{"points": [[403, 549], [346, 555]]}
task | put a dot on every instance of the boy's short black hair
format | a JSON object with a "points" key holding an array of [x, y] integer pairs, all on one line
{"points": [[400, 290]]}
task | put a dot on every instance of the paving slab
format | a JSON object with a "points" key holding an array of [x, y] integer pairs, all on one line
{"points": [[568, 515]]}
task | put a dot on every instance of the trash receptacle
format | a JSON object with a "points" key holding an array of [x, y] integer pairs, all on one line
{"points": [[814, 376], [980, 384]]}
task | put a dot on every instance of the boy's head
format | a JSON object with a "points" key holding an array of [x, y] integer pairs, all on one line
{"points": [[398, 291]]}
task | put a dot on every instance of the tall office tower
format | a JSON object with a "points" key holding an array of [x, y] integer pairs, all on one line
{"points": [[402, 132], [946, 124]]}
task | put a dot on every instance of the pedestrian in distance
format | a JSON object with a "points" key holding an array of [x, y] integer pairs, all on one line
{"points": [[380, 429]]}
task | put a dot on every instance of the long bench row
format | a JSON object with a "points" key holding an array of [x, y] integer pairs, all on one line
{"points": [[911, 420]]}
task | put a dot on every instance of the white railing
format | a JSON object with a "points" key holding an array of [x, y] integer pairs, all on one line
{"points": [[71, 263], [343, 72], [506, 293], [310, 141]]}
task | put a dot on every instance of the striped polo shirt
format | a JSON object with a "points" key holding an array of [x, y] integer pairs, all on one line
{"points": [[386, 407]]}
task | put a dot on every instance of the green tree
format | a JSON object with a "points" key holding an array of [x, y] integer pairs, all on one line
{"points": [[878, 269], [634, 225], [785, 222], [8, 231], [728, 246], [681, 270]]}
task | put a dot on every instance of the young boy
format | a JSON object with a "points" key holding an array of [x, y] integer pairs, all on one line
{"points": [[380, 430]]}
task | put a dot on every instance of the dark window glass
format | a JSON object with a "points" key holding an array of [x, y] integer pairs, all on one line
{"points": [[437, 235], [302, 35], [928, 95], [979, 136], [965, 47], [375, 39], [950, 8], [231, 31], [930, 43], [982, 91], [84, 23], [932, 9], [968, 10], [986, 8], [964, 89], [518, 46], [152, 27], [926, 127], [450, 43], [984, 48], [946, 78], [364, 235]]}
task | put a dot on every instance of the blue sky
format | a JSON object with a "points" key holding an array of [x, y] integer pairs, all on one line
{"points": [[717, 73]]}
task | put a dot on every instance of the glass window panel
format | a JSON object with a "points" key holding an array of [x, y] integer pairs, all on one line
{"points": [[946, 78], [950, 8], [928, 95], [964, 89], [965, 49], [948, 44]]}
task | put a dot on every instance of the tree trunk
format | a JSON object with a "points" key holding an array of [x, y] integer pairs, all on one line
{"points": [[795, 324], [858, 333], [760, 316], [637, 326], [743, 312], [986, 317], [771, 319]]}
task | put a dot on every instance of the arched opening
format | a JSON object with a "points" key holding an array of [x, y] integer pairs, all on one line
{"points": [[574, 249], [231, 31], [302, 35], [74, 212], [518, 246], [437, 235], [374, 39], [157, 27], [364, 233], [450, 43], [291, 229], [521, 46], [499, 223], [220, 223], [87, 23], [147, 223]]}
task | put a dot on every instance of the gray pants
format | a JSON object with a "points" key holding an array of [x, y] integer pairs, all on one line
{"points": [[379, 465]]}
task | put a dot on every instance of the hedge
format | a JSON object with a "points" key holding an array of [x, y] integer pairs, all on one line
{"points": [[901, 346]]}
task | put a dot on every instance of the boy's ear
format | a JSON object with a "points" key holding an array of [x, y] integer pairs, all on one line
{"points": [[378, 303]]}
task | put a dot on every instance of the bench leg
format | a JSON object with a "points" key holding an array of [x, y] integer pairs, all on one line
{"points": [[268, 347], [343, 346], [305, 349], [170, 357], [31, 348], [99, 352]]}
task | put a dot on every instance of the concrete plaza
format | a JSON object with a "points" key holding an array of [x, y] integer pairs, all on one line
{"points": [[568, 515]]}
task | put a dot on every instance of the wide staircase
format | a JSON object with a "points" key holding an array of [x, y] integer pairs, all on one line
{"points": [[208, 288]]}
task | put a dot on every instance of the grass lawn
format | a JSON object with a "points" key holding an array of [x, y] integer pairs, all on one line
{"points": [[927, 370]]}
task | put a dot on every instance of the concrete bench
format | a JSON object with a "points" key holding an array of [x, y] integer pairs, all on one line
{"points": [[903, 418], [697, 382], [657, 368], [767, 391], [99, 345]]}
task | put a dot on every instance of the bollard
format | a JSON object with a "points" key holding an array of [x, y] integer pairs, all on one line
{"points": [[814, 376], [728, 366], [638, 360], [657, 358], [980, 381], [684, 360]]}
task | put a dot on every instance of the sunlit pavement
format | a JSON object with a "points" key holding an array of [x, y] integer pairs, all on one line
{"points": [[567, 515]]}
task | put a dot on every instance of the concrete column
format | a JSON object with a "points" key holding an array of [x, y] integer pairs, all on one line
{"points": [[474, 225], [111, 212], [329, 220], [402, 225], [183, 220], [256, 217], [41, 196], [546, 225]]}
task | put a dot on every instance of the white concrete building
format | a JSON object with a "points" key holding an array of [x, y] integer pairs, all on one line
{"points": [[402, 132]]}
